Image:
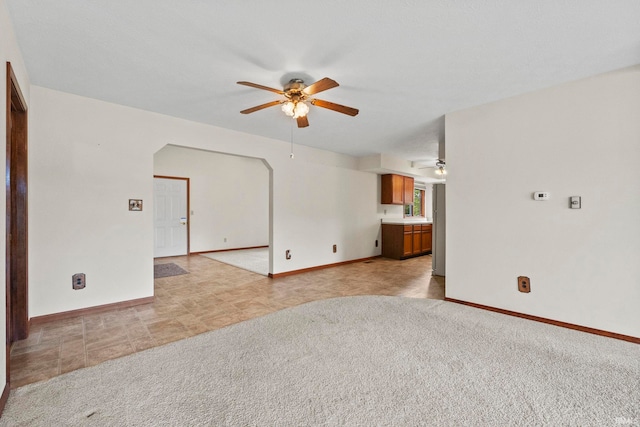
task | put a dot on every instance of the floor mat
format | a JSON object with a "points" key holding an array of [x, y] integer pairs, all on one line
{"points": [[167, 270]]}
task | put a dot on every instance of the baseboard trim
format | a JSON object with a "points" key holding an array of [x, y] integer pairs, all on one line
{"points": [[228, 250], [90, 310], [586, 329], [319, 267], [4, 398]]}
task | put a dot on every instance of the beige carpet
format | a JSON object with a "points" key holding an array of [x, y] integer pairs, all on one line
{"points": [[255, 260], [356, 361]]}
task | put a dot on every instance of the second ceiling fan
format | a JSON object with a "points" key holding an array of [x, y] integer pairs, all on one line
{"points": [[296, 95]]}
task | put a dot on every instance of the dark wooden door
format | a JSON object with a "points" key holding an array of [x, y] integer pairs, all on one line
{"points": [[16, 213]]}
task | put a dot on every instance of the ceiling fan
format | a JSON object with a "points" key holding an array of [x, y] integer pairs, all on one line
{"points": [[296, 95]]}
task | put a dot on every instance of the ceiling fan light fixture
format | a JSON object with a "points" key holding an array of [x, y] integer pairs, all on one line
{"points": [[301, 109], [297, 98], [295, 109], [288, 108], [440, 170]]}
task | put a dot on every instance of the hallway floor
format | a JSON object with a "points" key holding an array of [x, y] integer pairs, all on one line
{"points": [[213, 295]]}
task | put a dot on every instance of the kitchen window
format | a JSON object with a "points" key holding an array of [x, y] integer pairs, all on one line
{"points": [[416, 209]]}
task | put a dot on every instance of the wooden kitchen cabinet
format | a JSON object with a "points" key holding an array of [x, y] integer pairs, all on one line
{"points": [[417, 240], [426, 237], [407, 248], [396, 189], [391, 189], [408, 190], [405, 241]]}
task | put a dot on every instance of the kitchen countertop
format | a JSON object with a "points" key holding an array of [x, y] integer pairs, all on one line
{"points": [[405, 221]]}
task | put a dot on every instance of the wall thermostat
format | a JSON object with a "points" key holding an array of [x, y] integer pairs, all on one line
{"points": [[541, 195]]}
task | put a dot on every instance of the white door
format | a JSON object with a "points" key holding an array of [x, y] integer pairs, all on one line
{"points": [[169, 217]]}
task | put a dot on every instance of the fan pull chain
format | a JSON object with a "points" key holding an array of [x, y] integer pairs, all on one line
{"points": [[291, 156]]}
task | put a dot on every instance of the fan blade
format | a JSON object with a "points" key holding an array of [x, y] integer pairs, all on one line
{"points": [[257, 86], [320, 86], [335, 107], [303, 122], [260, 107]]}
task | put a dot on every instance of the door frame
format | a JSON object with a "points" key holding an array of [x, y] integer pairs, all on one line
{"points": [[188, 207], [16, 256]]}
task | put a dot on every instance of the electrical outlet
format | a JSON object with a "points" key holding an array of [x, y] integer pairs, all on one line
{"points": [[335, 248], [225, 240], [287, 254], [78, 281], [524, 284]]}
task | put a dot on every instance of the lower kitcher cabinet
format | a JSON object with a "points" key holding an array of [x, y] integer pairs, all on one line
{"points": [[426, 237], [407, 247], [405, 241]]}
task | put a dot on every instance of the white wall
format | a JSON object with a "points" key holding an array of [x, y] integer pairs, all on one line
{"points": [[89, 157], [229, 197], [9, 52], [577, 139]]}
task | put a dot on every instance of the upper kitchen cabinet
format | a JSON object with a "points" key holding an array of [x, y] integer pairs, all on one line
{"points": [[408, 191], [392, 189], [396, 189]]}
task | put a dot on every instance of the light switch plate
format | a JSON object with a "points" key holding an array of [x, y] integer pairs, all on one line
{"points": [[575, 202]]}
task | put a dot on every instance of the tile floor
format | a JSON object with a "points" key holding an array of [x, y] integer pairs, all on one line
{"points": [[211, 296]]}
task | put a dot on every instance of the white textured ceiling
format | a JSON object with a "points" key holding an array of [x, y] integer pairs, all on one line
{"points": [[403, 63]]}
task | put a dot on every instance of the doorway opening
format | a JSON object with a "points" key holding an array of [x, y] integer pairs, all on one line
{"points": [[230, 209]]}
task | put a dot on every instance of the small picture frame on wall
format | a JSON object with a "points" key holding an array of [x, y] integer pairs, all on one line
{"points": [[135, 204]]}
